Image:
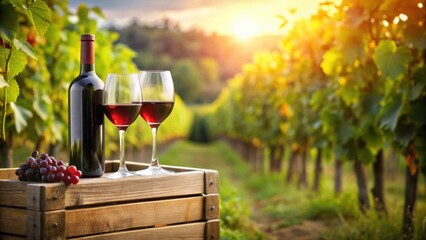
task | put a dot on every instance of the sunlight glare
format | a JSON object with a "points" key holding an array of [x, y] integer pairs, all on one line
{"points": [[244, 28]]}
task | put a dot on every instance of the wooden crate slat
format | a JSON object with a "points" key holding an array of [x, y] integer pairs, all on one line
{"points": [[46, 225], [12, 220], [95, 191], [8, 173], [46, 197], [211, 206], [13, 193], [189, 231], [4, 236], [213, 230], [133, 215]]}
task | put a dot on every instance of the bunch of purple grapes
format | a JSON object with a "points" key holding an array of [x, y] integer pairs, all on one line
{"points": [[46, 168]]}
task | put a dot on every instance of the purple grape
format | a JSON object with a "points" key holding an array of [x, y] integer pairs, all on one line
{"points": [[43, 163], [34, 154], [30, 160], [43, 156], [34, 165], [43, 171]]}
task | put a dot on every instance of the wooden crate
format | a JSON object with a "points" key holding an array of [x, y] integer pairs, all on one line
{"points": [[184, 205]]}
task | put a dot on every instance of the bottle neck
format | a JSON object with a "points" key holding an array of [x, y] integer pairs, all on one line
{"points": [[86, 68], [87, 56]]}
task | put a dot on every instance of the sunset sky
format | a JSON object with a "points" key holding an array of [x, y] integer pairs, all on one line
{"points": [[241, 18]]}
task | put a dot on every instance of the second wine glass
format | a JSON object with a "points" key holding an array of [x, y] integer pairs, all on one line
{"points": [[158, 99], [121, 103]]}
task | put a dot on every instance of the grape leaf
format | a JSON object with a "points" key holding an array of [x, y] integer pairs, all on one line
{"points": [[17, 3], [390, 114], [98, 12], [39, 14], [405, 132], [3, 83], [419, 78], [345, 132], [12, 91], [17, 62], [371, 103], [391, 60], [21, 116], [331, 62], [25, 47], [41, 107], [8, 22]]}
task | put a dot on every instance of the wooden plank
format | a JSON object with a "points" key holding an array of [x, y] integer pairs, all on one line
{"points": [[8, 173], [190, 231], [13, 193], [213, 230], [211, 206], [104, 190], [46, 225], [44, 197], [11, 237], [12, 220], [133, 215], [211, 181]]}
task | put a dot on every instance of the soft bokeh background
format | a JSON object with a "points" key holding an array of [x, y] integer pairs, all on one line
{"points": [[312, 111]]}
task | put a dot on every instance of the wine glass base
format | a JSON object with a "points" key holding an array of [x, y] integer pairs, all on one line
{"points": [[119, 174], [151, 171]]}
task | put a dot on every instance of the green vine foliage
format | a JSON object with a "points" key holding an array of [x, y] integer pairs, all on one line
{"points": [[351, 78]]}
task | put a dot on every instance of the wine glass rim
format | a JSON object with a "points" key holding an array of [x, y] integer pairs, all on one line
{"points": [[154, 71], [122, 74]]}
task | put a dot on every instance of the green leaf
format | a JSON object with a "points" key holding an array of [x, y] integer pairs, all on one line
{"points": [[83, 13], [349, 94], [419, 78], [39, 14], [371, 103], [17, 3], [41, 107], [98, 11], [374, 139], [17, 62], [405, 132], [390, 115], [25, 47], [391, 60], [345, 132], [331, 63], [9, 26], [3, 83], [21, 117], [12, 91]]}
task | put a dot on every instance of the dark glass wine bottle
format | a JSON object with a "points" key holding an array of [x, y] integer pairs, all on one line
{"points": [[85, 115]]}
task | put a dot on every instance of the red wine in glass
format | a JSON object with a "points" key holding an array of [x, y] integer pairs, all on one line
{"points": [[122, 115], [158, 98], [155, 112]]}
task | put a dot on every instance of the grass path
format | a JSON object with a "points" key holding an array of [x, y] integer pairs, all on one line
{"points": [[234, 176], [216, 155]]}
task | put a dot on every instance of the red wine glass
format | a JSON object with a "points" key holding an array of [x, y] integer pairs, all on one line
{"points": [[122, 100], [158, 96]]}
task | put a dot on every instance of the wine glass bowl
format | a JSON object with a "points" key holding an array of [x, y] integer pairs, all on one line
{"points": [[121, 104], [158, 100]]}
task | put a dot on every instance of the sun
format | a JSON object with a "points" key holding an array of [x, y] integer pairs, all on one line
{"points": [[244, 28]]}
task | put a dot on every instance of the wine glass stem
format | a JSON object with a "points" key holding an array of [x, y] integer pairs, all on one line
{"points": [[122, 162], [154, 159]]}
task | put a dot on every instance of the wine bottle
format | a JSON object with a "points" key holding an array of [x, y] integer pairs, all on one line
{"points": [[85, 114]]}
